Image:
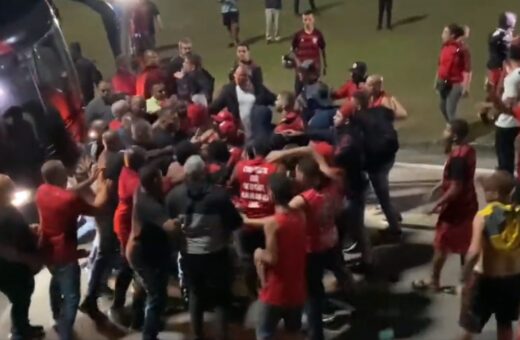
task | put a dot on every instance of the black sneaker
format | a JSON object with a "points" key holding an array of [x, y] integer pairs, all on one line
{"points": [[31, 332], [92, 310]]}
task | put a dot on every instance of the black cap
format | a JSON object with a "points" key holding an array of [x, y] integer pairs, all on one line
{"points": [[359, 67]]}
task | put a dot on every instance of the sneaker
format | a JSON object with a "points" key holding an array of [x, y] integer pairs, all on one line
{"points": [[92, 310], [31, 332], [277, 39], [119, 317]]}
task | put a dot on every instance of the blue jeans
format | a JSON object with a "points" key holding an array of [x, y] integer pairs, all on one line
{"points": [[381, 185], [154, 280], [269, 316], [64, 296]]}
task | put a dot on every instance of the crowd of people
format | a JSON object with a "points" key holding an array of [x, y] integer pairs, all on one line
{"points": [[187, 185]]}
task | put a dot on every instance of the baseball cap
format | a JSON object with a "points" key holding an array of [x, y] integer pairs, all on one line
{"points": [[224, 116], [227, 129], [359, 67]]}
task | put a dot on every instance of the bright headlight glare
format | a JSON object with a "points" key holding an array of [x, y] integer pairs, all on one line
{"points": [[21, 197]]}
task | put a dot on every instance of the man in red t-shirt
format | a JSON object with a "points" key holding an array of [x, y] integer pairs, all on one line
{"points": [[59, 210], [358, 76], [150, 75], [123, 81], [281, 264], [252, 177], [308, 44]]}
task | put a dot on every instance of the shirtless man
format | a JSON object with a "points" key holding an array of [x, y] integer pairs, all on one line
{"points": [[491, 276]]}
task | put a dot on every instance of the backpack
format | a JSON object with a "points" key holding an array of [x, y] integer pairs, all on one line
{"points": [[380, 138], [502, 226]]}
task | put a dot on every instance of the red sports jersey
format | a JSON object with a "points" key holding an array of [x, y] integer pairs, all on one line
{"points": [[253, 177], [454, 60], [285, 281], [308, 46], [378, 101], [292, 121], [320, 211], [128, 184]]}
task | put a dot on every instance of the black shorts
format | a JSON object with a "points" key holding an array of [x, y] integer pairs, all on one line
{"points": [[487, 296], [230, 18]]}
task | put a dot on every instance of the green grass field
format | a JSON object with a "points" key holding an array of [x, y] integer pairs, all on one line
{"points": [[406, 57]]}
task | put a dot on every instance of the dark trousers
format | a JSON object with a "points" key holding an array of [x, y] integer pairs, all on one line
{"points": [[317, 263], [104, 258], [381, 185], [208, 279], [64, 296], [385, 6], [505, 148], [123, 279], [17, 284], [297, 6], [154, 280], [269, 316]]}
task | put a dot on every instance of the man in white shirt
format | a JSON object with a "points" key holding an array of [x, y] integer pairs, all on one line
{"points": [[507, 125]]}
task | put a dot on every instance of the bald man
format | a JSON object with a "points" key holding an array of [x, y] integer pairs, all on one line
{"points": [[19, 261], [59, 210], [379, 97], [150, 75]]}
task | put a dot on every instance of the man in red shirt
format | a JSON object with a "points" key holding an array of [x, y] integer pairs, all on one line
{"points": [[308, 44], [150, 75], [252, 177], [59, 210], [281, 264], [358, 76], [454, 72], [123, 80]]}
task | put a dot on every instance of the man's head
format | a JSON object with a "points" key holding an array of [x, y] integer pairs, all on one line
{"points": [[168, 120], [75, 50], [281, 189], [261, 147], [191, 63], [308, 172], [54, 173], [374, 84], [105, 90], [151, 179], [151, 58], [185, 150], [6, 190], [112, 141], [456, 131], [308, 20], [96, 129], [135, 158], [141, 132], [507, 20], [243, 53], [120, 108], [285, 101], [241, 76], [137, 107], [195, 169], [159, 91], [122, 62], [498, 186], [360, 100], [452, 32], [185, 47]]}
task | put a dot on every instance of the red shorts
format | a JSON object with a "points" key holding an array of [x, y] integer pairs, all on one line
{"points": [[453, 238]]}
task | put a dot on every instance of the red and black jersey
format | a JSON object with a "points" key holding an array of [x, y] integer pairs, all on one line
{"points": [[308, 46]]}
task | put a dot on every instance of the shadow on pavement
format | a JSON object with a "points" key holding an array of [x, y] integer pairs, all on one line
{"points": [[253, 40], [410, 20]]}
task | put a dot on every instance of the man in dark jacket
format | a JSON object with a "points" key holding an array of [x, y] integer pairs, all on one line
{"points": [[88, 74], [193, 79], [244, 58]]}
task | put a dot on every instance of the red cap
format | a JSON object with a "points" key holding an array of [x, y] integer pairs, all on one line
{"points": [[224, 116], [324, 149], [227, 129], [197, 114]]}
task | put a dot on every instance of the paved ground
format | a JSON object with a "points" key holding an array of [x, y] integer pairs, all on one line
{"points": [[380, 304]]}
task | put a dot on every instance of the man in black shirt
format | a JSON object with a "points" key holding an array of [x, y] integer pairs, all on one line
{"points": [[19, 262], [185, 48], [149, 248], [88, 74]]}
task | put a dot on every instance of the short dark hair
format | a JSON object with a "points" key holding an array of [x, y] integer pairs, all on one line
{"points": [[308, 12], [195, 60], [459, 128], [185, 150], [261, 146], [218, 152], [309, 167], [148, 176], [136, 157], [243, 44], [456, 30], [282, 189]]}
